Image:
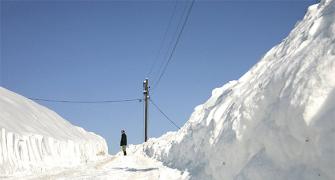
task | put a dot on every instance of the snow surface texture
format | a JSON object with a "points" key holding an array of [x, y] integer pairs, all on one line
{"points": [[276, 122], [34, 138], [119, 167]]}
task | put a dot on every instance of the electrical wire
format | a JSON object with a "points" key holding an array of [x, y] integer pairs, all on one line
{"points": [[161, 111], [172, 42], [86, 102], [164, 38], [175, 45]]}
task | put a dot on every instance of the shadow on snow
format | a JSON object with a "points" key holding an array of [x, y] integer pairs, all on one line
{"points": [[136, 170]]}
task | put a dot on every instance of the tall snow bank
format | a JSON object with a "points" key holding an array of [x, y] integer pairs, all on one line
{"points": [[276, 122], [33, 138]]}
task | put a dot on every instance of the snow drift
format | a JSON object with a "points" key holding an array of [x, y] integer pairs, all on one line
{"points": [[34, 138], [276, 122]]}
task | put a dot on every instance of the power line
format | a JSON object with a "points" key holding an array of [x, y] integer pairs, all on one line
{"points": [[172, 41], [176, 43], [87, 102], [160, 110], [164, 38]]}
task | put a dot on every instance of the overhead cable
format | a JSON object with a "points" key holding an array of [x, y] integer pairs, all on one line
{"points": [[175, 45], [171, 43], [86, 102], [164, 39], [160, 110]]}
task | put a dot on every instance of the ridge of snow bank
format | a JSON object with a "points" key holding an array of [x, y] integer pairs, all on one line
{"points": [[34, 138], [276, 122]]}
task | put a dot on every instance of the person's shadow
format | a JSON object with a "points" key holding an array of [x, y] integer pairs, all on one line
{"points": [[136, 170]]}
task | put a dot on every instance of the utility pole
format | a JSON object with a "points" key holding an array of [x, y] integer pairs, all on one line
{"points": [[146, 98]]}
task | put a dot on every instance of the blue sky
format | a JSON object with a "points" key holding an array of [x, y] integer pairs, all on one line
{"points": [[103, 50]]}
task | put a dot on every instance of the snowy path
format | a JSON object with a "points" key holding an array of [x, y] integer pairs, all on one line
{"points": [[114, 167]]}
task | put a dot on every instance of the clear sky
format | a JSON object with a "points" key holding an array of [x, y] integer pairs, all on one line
{"points": [[103, 50]]}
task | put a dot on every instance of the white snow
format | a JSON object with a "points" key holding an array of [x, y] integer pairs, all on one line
{"points": [[36, 143], [276, 122], [34, 138], [117, 167]]}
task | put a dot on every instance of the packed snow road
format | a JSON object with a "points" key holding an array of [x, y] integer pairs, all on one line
{"points": [[114, 167]]}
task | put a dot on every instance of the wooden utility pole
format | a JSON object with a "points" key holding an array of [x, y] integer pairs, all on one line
{"points": [[146, 98]]}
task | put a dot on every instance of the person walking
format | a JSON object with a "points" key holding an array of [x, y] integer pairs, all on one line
{"points": [[123, 142]]}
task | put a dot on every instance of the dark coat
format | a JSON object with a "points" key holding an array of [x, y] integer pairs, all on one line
{"points": [[123, 141]]}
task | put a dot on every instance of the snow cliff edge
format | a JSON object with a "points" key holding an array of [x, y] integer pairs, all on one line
{"points": [[34, 138], [276, 122]]}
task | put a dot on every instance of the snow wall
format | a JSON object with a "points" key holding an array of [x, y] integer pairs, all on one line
{"points": [[276, 122], [34, 138]]}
